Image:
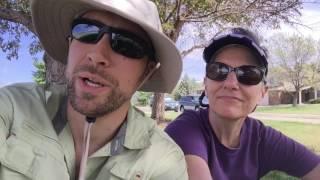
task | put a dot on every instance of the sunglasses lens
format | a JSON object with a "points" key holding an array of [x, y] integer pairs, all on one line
{"points": [[122, 42], [249, 75], [217, 71], [86, 33], [127, 46]]}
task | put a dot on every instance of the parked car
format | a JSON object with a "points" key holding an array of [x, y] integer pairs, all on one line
{"points": [[169, 104], [191, 102]]}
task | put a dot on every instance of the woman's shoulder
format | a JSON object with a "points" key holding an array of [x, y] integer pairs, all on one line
{"points": [[190, 118]]}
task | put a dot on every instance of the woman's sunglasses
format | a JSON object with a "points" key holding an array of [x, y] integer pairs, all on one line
{"points": [[247, 74], [121, 41]]}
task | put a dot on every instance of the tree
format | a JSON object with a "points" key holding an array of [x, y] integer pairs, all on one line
{"points": [[185, 87], [175, 16], [16, 22], [206, 14], [293, 54], [39, 76]]}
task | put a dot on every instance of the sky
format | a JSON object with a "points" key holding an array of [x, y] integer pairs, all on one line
{"points": [[21, 69]]}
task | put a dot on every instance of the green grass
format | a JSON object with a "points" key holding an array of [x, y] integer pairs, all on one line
{"points": [[289, 109], [306, 134], [276, 175]]}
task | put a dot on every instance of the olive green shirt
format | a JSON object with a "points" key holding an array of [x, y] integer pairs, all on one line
{"points": [[36, 142]]}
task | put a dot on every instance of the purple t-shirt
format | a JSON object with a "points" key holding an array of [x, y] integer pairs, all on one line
{"points": [[261, 149]]}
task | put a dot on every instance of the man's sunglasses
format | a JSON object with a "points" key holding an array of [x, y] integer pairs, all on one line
{"points": [[121, 41], [247, 74]]}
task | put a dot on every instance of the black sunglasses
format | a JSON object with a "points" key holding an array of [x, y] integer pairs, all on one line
{"points": [[247, 74], [121, 41]]}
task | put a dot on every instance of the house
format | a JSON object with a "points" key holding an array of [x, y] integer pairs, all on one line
{"points": [[283, 94]]}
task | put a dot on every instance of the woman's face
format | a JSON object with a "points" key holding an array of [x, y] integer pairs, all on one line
{"points": [[229, 99]]}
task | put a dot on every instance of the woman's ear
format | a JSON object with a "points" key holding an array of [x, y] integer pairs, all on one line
{"points": [[264, 90], [205, 85]]}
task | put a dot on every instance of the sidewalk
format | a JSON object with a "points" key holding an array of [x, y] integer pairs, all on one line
{"points": [[305, 118]]}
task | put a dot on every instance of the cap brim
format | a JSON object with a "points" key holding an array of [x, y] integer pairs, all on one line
{"points": [[216, 45]]}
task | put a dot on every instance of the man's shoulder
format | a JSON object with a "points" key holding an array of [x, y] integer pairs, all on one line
{"points": [[21, 88]]}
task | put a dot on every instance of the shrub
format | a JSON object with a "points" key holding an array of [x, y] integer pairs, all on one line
{"points": [[314, 101]]}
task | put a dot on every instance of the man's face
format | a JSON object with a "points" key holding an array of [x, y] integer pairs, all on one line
{"points": [[101, 80]]}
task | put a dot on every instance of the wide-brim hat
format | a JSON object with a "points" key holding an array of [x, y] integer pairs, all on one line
{"points": [[236, 36], [52, 21]]}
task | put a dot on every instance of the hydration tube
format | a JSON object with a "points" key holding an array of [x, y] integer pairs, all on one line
{"points": [[85, 147]]}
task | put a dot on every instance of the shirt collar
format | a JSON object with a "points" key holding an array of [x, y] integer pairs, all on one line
{"points": [[134, 133]]}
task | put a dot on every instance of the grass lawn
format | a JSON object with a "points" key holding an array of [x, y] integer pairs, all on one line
{"points": [[289, 109], [307, 134]]}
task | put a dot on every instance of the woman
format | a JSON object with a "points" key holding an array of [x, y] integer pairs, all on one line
{"points": [[222, 142]]}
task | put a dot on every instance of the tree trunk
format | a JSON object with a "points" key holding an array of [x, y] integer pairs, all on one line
{"points": [[54, 71], [295, 99], [158, 107]]}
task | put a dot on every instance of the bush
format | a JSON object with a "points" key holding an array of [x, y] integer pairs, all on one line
{"points": [[314, 101]]}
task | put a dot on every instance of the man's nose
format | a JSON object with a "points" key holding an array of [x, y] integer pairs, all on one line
{"points": [[101, 52]]}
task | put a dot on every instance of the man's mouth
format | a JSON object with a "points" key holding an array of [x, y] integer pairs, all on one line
{"points": [[92, 83]]}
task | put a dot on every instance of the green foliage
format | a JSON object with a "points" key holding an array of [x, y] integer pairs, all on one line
{"points": [[15, 23], [142, 98], [39, 76], [175, 13], [314, 101], [186, 86]]}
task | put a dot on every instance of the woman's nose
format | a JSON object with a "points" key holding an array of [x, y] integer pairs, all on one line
{"points": [[231, 81]]}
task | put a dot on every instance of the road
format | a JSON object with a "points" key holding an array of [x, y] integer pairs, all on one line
{"points": [[304, 118]]}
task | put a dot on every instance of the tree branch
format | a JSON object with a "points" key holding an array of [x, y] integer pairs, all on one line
{"points": [[17, 17], [188, 51]]}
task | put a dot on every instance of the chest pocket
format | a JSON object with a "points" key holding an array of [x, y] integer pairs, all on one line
{"points": [[22, 161], [17, 160], [121, 167]]}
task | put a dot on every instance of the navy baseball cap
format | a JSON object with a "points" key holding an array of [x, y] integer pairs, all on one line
{"points": [[236, 36]]}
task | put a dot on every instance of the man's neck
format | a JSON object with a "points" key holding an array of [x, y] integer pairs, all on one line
{"points": [[102, 131], [227, 131]]}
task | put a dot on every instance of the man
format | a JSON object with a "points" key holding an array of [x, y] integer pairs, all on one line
{"points": [[89, 130]]}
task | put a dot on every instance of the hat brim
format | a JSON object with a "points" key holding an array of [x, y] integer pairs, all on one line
{"points": [[216, 45], [52, 21]]}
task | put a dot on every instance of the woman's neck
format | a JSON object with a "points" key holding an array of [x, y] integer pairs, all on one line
{"points": [[228, 131]]}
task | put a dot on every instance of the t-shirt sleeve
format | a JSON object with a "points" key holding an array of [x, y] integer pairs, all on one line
{"points": [[187, 131], [282, 153]]}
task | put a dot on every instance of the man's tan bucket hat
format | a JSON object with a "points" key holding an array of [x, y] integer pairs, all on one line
{"points": [[52, 21]]}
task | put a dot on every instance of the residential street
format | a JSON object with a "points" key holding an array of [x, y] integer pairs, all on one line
{"points": [[304, 118]]}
